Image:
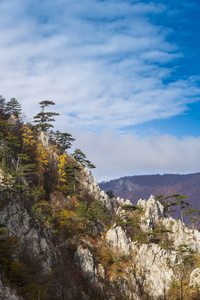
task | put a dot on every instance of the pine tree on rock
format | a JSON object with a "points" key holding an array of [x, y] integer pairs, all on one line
{"points": [[44, 119], [81, 157]]}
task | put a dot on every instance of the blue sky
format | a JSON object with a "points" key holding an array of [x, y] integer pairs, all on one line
{"points": [[124, 76]]}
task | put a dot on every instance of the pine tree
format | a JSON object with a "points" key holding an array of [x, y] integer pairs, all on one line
{"points": [[9, 143], [13, 107], [168, 202], [72, 177], [180, 200], [2, 104], [64, 139], [81, 157], [110, 194], [193, 214], [44, 119]]}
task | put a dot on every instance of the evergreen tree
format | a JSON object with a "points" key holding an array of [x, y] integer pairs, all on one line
{"points": [[110, 194], [9, 143], [44, 119], [5, 128], [98, 211], [13, 107], [168, 202], [72, 177], [193, 214], [81, 157], [64, 139], [180, 201], [2, 104]]}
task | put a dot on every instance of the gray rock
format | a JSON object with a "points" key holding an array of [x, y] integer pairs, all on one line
{"points": [[44, 138], [84, 258], [195, 278], [18, 223], [152, 268], [6, 293], [154, 210], [116, 237]]}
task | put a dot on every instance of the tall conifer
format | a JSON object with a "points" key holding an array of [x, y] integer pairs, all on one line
{"points": [[44, 119]]}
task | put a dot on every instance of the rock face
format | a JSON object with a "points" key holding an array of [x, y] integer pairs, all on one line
{"points": [[117, 238], [18, 223], [44, 138], [152, 268], [195, 278], [85, 259], [7, 294], [91, 186], [145, 268], [153, 212]]}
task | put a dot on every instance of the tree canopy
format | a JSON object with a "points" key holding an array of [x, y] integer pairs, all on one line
{"points": [[44, 119]]}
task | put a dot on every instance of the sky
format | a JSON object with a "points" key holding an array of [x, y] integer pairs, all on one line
{"points": [[124, 76]]}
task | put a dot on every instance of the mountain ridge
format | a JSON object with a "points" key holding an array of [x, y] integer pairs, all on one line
{"points": [[141, 186]]}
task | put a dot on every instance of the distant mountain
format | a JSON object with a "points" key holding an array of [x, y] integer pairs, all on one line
{"points": [[136, 187]]}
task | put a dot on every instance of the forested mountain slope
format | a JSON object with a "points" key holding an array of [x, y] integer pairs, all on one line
{"points": [[62, 238], [135, 187]]}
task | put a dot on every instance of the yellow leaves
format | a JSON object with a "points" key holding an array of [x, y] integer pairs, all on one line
{"points": [[67, 214], [28, 137], [106, 256], [42, 155], [62, 161], [66, 217], [35, 149]]}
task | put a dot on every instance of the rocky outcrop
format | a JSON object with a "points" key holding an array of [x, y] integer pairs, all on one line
{"points": [[125, 286], [83, 257], [154, 216], [153, 209], [152, 270], [181, 234], [18, 224], [146, 270], [117, 238], [90, 185], [6, 293], [44, 138]]}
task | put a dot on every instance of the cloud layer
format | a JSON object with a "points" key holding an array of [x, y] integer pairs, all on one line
{"points": [[108, 65], [117, 156], [105, 63]]}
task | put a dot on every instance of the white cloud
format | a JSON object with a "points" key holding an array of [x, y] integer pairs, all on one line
{"points": [[104, 64], [116, 156], [101, 62]]}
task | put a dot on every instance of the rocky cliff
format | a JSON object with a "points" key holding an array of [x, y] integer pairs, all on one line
{"points": [[62, 237], [115, 260]]}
